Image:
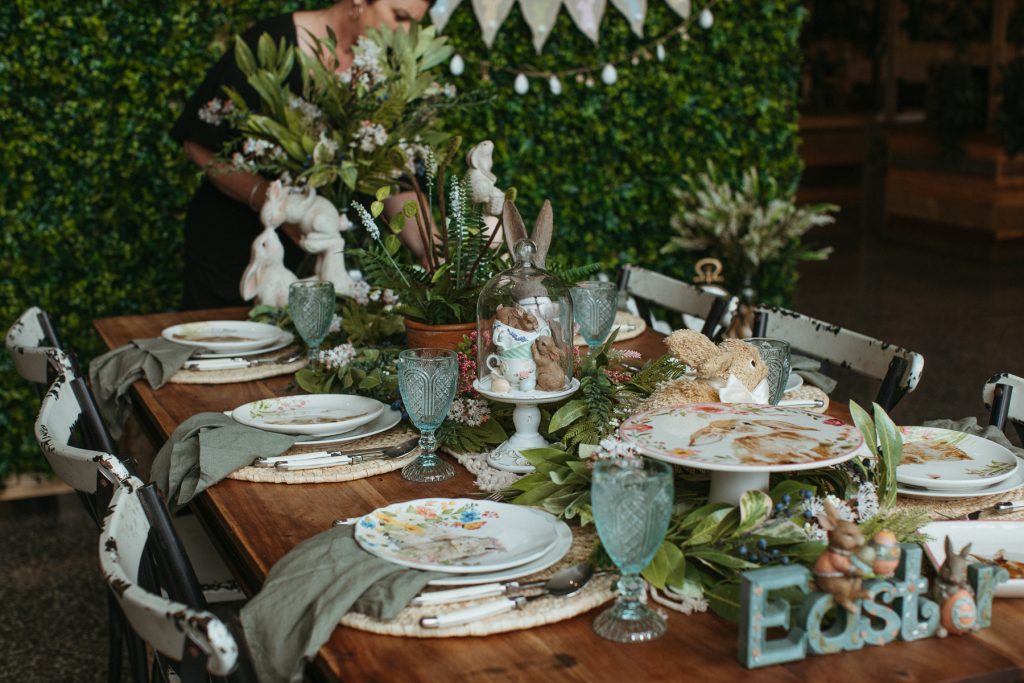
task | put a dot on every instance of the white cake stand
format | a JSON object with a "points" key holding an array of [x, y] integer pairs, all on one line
{"points": [[742, 444], [526, 416]]}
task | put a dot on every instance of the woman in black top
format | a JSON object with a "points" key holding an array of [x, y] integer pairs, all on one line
{"points": [[223, 218]]}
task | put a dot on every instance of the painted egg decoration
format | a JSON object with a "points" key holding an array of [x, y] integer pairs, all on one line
{"points": [[959, 612], [887, 553]]}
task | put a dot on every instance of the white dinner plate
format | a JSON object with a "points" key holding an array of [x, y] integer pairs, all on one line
{"points": [[286, 339], [947, 460], [314, 414], [385, 421], [563, 541], [1008, 484], [987, 537], [223, 335], [457, 535], [795, 381]]}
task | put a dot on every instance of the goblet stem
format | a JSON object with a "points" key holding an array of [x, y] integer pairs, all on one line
{"points": [[428, 467], [428, 446], [631, 590], [313, 353]]}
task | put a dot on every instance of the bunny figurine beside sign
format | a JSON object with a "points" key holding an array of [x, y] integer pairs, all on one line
{"points": [[959, 611]]}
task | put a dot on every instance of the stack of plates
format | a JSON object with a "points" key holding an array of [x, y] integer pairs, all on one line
{"points": [[228, 338], [941, 463], [474, 541], [322, 417]]}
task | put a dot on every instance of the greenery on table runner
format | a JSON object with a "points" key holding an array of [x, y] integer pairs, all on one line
{"points": [[95, 191], [708, 546]]}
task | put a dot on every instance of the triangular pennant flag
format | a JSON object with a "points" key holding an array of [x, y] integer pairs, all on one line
{"points": [[587, 15], [540, 16], [490, 14], [680, 7], [635, 11], [441, 12]]}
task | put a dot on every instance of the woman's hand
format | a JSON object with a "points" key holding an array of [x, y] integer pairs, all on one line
{"points": [[411, 234]]}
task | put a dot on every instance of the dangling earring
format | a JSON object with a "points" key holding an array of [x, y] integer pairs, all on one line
{"points": [[356, 11]]}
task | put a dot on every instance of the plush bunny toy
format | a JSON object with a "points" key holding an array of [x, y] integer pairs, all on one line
{"points": [[713, 365]]}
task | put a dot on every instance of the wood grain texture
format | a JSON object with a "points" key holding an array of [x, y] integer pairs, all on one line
{"points": [[256, 524]]}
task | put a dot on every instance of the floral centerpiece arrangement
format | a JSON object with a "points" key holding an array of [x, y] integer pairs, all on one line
{"points": [[348, 131]]}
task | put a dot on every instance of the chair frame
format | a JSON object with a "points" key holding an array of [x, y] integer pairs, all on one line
{"points": [[899, 369], [647, 287], [998, 394]]}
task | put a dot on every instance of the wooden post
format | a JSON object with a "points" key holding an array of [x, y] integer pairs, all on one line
{"points": [[997, 55], [892, 31]]}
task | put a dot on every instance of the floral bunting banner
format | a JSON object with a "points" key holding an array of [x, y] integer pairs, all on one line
{"points": [[587, 15], [635, 12], [540, 16], [441, 12]]}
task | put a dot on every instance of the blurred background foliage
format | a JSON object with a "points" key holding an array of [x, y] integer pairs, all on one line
{"points": [[95, 191]]}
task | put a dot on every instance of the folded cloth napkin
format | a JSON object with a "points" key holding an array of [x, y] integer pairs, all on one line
{"points": [[808, 368], [969, 425], [308, 591], [205, 449], [733, 390], [112, 375]]}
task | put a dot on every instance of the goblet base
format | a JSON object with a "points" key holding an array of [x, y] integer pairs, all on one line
{"points": [[426, 470], [630, 622]]}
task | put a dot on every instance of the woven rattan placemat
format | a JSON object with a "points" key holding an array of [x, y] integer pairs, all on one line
{"points": [[939, 509], [233, 375], [547, 610], [320, 475]]}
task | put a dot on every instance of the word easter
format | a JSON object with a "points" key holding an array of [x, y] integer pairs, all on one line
{"points": [[897, 607]]}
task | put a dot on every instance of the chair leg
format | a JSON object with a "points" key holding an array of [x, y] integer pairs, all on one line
{"points": [[137, 657], [115, 635], [1001, 397]]}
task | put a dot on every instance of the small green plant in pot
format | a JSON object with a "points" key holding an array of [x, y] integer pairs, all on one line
{"points": [[755, 229]]}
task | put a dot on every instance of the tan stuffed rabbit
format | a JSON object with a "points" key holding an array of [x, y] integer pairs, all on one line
{"points": [[731, 357], [515, 231], [547, 355]]}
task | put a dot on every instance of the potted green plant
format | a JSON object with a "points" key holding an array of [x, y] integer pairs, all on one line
{"points": [[437, 296]]}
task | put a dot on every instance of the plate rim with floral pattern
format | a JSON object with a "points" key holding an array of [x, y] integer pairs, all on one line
{"points": [[981, 451], [634, 427], [533, 535], [1005, 486], [250, 414], [268, 334]]}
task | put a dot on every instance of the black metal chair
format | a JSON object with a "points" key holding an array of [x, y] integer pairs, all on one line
{"points": [[648, 287], [1003, 394]]}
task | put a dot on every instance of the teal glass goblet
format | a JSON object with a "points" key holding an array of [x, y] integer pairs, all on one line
{"points": [[632, 504], [427, 380], [311, 306], [593, 307], [777, 357]]}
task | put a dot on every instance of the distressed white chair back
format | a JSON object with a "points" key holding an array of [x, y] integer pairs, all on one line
{"points": [[897, 368], [168, 626], [1003, 394], [58, 415], [649, 287], [26, 344]]}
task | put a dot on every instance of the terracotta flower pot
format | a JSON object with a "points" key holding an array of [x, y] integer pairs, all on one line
{"points": [[436, 336]]}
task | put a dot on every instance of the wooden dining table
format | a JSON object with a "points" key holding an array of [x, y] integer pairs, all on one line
{"points": [[255, 524]]}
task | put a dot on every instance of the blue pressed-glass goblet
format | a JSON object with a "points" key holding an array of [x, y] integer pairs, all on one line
{"points": [[777, 357], [311, 306], [632, 504], [427, 380], [593, 306]]}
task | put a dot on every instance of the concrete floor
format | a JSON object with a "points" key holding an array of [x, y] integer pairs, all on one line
{"points": [[965, 317]]}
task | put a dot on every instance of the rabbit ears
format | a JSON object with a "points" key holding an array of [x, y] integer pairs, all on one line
{"points": [[515, 230], [964, 552]]}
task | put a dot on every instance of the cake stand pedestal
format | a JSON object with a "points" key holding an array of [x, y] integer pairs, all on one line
{"points": [[526, 416]]}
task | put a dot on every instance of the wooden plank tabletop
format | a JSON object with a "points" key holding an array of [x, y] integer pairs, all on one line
{"points": [[256, 524]]}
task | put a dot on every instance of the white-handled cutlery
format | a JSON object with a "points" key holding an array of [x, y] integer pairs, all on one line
{"points": [[331, 458], [238, 362]]}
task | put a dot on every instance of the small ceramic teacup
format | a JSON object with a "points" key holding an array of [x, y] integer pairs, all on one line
{"points": [[521, 373]]}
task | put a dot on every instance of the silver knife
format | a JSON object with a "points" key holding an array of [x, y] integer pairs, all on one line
{"points": [[998, 509], [315, 455]]}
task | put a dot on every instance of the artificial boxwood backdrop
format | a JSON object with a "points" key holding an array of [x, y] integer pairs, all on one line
{"points": [[95, 191]]}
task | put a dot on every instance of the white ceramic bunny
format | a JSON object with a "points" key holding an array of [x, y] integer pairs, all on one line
{"points": [[330, 260], [266, 277], [482, 180]]}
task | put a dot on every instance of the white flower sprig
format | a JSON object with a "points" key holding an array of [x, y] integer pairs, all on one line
{"points": [[371, 227]]}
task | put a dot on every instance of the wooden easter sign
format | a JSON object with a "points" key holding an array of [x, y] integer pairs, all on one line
{"points": [[898, 607]]}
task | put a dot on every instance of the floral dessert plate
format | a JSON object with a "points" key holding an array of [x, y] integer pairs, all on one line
{"points": [[456, 535], [286, 339], [946, 460], [315, 414], [223, 335], [563, 541], [1009, 484], [740, 437], [385, 421]]}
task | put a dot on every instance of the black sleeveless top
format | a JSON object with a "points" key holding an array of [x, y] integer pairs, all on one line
{"points": [[218, 229]]}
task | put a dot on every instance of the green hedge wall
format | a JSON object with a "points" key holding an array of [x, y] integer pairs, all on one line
{"points": [[94, 190]]}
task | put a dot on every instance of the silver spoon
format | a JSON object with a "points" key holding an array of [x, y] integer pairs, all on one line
{"points": [[569, 581], [388, 453]]}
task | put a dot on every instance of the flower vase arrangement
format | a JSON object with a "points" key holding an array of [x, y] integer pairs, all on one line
{"points": [[755, 229]]}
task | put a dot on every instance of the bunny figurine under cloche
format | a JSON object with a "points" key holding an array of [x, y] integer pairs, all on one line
{"points": [[524, 318]]}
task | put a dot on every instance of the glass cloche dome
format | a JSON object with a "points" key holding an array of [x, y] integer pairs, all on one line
{"points": [[524, 331]]}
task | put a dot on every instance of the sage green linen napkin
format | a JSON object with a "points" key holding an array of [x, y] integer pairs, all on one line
{"points": [[205, 449], [969, 425], [808, 368], [112, 375], [309, 590]]}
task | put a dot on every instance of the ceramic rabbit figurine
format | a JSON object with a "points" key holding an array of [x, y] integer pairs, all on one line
{"points": [[958, 610], [482, 180], [547, 355], [266, 276], [515, 230], [835, 571], [330, 261]]}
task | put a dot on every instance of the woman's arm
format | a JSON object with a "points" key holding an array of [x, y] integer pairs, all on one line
{"points": [[247, 188]]}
